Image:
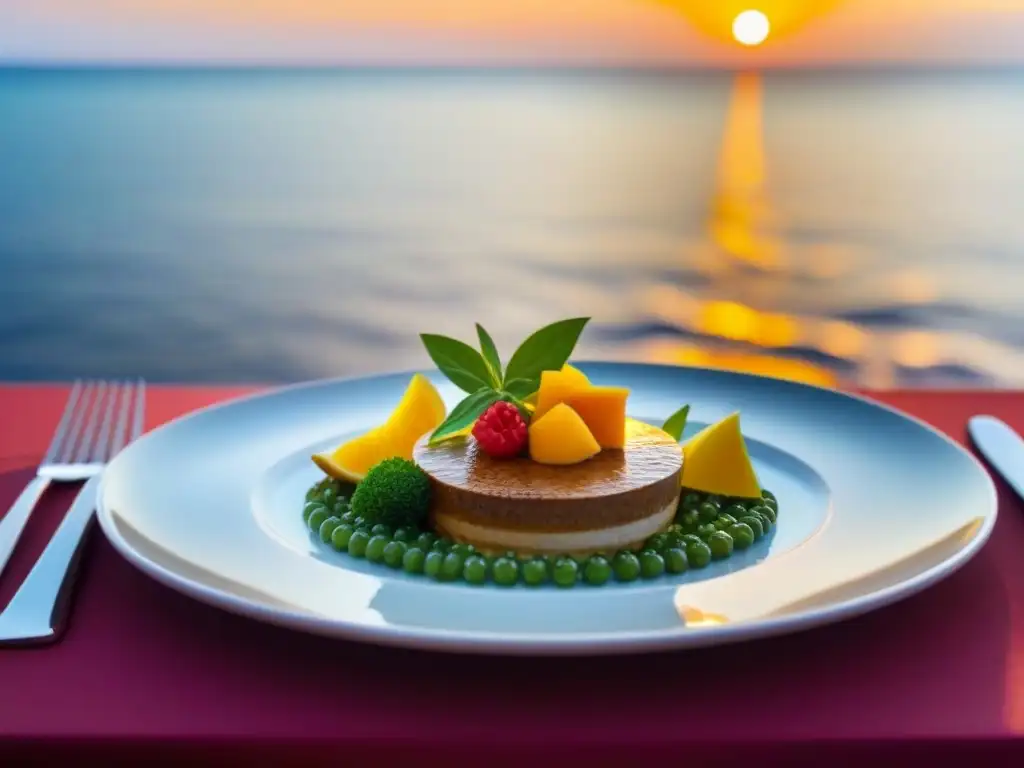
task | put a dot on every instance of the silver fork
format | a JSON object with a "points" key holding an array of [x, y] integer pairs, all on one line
{"points": [[100, 418]]}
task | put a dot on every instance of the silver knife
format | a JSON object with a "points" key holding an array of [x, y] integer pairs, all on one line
{"points": [[1001, 446]]}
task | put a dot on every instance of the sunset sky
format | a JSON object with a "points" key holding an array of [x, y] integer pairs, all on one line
{"points": [[497, 32]]}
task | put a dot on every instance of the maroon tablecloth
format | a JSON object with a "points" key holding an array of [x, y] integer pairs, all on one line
{"points": [[145, 673]]}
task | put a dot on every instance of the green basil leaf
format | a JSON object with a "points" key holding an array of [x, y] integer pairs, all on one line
{"points": [[545, 350], [676, 423], [521, 388], [490, 354], [462, 364], [465, 413]]}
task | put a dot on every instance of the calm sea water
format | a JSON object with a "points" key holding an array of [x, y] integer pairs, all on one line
{"points": [[279, 226]]}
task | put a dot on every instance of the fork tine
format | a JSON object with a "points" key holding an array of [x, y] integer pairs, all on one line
{"points": [[117, 442], [140, 409], [101, 449], [78, 418], [60, 433], [89, 435]]}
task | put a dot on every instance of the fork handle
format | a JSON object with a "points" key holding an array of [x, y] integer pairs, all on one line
{"points": [[13, 523], [38, 610]]}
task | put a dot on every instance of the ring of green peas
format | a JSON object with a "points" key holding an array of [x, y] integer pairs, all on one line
{"points": [[706, 528]]}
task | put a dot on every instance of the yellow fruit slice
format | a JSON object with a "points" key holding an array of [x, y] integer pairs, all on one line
{"points": [[568, 377], [603, 410], [561, 437], [420, 410], [575, 375], [556, 386], [715, 460]]}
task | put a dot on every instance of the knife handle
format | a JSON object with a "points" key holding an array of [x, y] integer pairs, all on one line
{"points": [[38, 610]]}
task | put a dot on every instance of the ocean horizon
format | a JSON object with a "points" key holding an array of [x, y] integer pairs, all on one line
{"points": [[854, 227]]}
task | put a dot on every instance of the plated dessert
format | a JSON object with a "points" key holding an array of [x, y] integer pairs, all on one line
{"points": [[538, 475]]}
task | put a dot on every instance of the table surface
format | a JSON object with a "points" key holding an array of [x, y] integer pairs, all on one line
{"points": [[142, 665]]}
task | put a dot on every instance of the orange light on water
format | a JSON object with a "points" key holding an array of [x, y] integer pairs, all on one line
{"points": [[751, 27]]}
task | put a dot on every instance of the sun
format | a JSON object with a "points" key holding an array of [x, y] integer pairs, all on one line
{"points": [[750, 27]]}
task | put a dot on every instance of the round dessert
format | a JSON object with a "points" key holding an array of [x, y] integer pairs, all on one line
{"points": [[615, 500]]}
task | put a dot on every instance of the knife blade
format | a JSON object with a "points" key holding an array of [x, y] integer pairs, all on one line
{"points": [[1001, 446]]}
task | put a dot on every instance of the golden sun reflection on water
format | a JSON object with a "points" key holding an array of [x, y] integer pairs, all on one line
{"points": [[678, 353], [740, 318]]}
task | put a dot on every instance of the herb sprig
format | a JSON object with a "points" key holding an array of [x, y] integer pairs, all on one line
{"points": [[480, 374], [676, 423]]}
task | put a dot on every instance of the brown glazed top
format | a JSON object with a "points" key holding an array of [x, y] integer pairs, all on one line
{"points": [[613, 488]]}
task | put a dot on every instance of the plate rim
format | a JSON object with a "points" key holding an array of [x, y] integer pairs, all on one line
{"points": [[554, 644]]}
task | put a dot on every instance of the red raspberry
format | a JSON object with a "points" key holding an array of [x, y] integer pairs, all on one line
{"points": [[501, 431]]}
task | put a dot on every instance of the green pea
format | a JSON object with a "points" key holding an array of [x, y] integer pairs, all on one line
{"points": [[535, 571], [357, 543], [394, 553], [581, 560], [735, 510], [657, 542], [505, 571], [766, 494], [626, 566], [412, 560], [441, 545], [464, 549], [360, 522], [675, 560], [313, 492], [317, 518], [742, 535], [340, 537], [474, 570], [675, 533], [349, 518], [707, 512], [705, 530], [375, 548], [652, 564], [692, 537], [689, 522], [406, 535], [714, 499], [597, 570], [327, 528], [329, 495], [721, 545], [691, 501], [565, 572], [432, 564], [425, 541], [754, 523], [766, 523], [381, 530], [309, 509], [724, 521], [451, 567], [767, 512], [341, 507], [698, 554]]}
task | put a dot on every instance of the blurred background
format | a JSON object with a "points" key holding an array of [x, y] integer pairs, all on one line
{"points": [[266, 190]]}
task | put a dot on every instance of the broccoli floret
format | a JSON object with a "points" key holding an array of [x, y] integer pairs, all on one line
{"points": [[395, 492]]}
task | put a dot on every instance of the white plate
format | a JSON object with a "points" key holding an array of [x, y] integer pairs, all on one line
{"points": [[874, 505]]}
